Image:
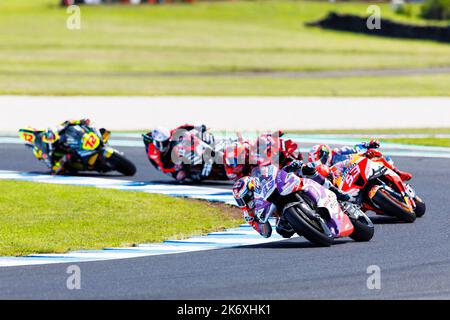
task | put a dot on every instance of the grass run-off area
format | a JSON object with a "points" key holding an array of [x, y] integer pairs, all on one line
{"points": [[377, 131], [415, 136], [45, 218], [158, 49], [431, 141]]}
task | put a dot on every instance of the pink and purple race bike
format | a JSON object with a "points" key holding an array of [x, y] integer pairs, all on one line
{"points": [[310, 209]]}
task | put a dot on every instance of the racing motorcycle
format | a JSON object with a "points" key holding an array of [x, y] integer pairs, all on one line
{"points": [[88, 149], [197, 158], [310, 209], [377, 188]]}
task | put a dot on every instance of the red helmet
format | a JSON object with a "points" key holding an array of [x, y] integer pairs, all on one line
{"points": [[320, 152], [243, 192]]}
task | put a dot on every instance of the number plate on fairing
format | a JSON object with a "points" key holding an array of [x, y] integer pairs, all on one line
{"points": [[28, 137], [267, 178], [90, 141]]}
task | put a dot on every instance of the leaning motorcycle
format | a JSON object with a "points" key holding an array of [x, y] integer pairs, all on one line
{"points": [[88, 148], [310, 209], [377, 188]]}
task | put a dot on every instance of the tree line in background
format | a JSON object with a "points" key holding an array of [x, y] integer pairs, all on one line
{"points": [[436, 9]]}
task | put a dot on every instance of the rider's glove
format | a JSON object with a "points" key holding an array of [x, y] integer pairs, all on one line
{"points": [[294, 166], [341, 196], [309, 169], [147, 138], [372, 153]]}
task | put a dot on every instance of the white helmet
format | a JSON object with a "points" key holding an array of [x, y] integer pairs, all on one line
{"points": [[161, 139]]}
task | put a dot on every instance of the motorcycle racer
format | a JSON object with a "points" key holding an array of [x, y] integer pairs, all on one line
{"points": [[52, 140], [271, 147], [322, 154], [242, 156], [244, 188], [160, 142]]}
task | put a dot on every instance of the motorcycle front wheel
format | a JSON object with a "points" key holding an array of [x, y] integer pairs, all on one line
{"points": [[392, 206], [308, 228], [420, 207], [363, 229], [122, 164]]}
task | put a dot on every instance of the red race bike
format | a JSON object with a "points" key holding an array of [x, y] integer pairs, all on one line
{"points": [[200, 161], [377, 188]]}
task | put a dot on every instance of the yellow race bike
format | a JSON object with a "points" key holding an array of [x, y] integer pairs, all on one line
{"points": [[86, 149]]}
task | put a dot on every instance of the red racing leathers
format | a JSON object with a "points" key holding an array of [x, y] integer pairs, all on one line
{"points": [[268, 148], [164, 162]]}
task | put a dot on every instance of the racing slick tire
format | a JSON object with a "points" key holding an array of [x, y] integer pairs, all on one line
{"points": [[392, 206], [122, 164], [307, 228], [420, 207], [363, 229]]}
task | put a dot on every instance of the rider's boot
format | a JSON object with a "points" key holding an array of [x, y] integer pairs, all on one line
{"points": [[284, 229]]}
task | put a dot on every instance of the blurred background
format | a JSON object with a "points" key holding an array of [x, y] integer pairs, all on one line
{"points": [[224, 48]]}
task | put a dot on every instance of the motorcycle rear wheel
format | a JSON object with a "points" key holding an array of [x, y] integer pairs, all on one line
{"points": [[122, 164], [391, 206], [303, 226]]}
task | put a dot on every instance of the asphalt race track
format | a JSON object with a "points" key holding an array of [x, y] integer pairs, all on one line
{"points": [[414, 258]]}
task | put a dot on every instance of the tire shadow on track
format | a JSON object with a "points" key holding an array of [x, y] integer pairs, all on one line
{"points": [[194, 184], [385, 220], [290, 244]]}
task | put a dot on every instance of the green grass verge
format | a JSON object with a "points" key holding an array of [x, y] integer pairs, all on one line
{"points": [[120, 46], [435, 142], [379, 131], [422, 85], [366, 134], [44, 218]]}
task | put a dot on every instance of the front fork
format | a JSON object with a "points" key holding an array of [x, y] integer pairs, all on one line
{"points": [[103, 156], [108, 152], [353, 211]]}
